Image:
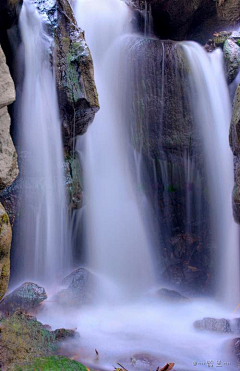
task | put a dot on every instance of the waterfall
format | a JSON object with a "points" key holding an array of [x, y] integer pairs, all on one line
{"points": [[41, 225], [212, 109], [117, 239]]}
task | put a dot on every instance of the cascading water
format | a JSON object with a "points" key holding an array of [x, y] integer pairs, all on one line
{"points": [[211, 105], [147, 333], [42, 225], [117, 241]]}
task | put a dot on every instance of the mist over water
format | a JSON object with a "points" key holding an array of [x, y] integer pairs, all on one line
{"points": [[41, 252]]}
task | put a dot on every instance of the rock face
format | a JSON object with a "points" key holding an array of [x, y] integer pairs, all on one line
{"points": [[25, 298], [215, 325], [8, 156], [195, 19], [170, 148], [231, 53], [235, 145], [5, 245], [77, 94]]}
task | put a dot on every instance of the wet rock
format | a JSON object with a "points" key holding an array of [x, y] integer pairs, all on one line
{"points": [[77, 94], [231, 53], [80, 289], [142, 360], [63, 334], [5, 245], [235, 145], [8, 156], [236, 348], [213, 325], [171, 296], [73, 179], [25, 298], [22, 339]]}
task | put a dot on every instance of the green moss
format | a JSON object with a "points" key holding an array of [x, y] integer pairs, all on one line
{"points": [[5, 219], [53, 363], [238, 42]]}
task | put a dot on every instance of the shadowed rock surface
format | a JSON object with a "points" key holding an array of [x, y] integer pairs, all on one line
{"points": [[25, 298], [195, 19]]}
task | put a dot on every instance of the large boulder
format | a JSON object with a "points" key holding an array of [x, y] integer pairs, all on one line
{"points": [[8, 156], [5, 245], [235, 145], [25, 298], [77, 94]]}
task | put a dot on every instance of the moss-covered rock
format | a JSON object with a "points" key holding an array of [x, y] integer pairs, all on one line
{"points": [[77, 94], [25, 298], [51, 363], [23, 338], [73, 179], [5, 245]]}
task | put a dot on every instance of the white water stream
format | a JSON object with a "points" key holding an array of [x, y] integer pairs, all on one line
{"points": [[212, 108], [117, 243], [41, 252]]}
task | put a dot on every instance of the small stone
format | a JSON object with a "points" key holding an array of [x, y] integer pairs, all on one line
{"points": [[214, 325], [171, 296]]}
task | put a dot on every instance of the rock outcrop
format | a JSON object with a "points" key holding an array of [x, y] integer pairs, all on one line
{"points": [[8, 168], [195, 19], [8, 156], [77, 94], [167, 138], [235, 145], [231, 52]]}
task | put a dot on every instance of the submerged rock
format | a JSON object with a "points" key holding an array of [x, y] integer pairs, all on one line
{"points": [[231, 53], [25, 298], [214, 325], [80, 289], [5, 246], [171, 296], [236, 348]]}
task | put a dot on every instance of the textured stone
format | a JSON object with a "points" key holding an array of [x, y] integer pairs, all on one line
{"points": [[77, 94], [231, 52], [5, 245], [235, 145], [25, 298], [171, 296], [213, 325], [184, 19], [8, 156]]}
